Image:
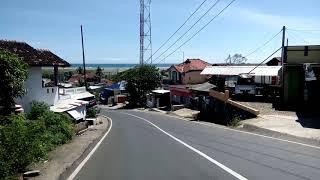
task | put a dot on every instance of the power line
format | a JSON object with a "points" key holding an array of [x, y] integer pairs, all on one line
{"points": [[305, 30], [188, 30], [290, 35], [263, 45], [265, 60], [177, 30], [294, 37], [199, 30]]}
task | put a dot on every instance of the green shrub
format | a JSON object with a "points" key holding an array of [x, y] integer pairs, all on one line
{"points": [[59, 128], [37, 109], [92, 112], [23, 140], [234, 122], [16, 147]]}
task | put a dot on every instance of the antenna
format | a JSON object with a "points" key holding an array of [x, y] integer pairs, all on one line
{"points": [[145, 31]]}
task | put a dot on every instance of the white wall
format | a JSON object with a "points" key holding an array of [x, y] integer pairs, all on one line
{"points": [[35, 91]]}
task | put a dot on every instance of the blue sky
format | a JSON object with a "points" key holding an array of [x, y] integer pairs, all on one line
{"points": [[112, 27]]}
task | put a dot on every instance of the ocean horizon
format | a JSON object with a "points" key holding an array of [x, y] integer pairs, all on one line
{"points": [[116, 65]]}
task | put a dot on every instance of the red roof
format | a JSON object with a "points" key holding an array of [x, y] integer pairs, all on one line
{"points": [[191, 65], [75, 78], [91, 76]]}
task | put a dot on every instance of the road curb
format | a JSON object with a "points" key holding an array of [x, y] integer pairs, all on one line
{"points": [[276, 134], [65, 174]]}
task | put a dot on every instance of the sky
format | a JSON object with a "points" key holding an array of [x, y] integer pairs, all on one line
{"points": [[111, 28]]}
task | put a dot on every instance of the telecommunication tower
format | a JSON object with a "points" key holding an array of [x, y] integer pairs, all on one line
{"points": [[145, 32]]}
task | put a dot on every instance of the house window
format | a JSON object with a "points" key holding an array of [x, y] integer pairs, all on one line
{"points": [[52, 90], [48, 91]]}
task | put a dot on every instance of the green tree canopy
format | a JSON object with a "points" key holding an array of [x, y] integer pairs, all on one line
{"points": [[236, 59], [13, 73], [79, 70], [140, 81], [99, 73]]}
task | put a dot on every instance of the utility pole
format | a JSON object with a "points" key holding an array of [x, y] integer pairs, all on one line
{"points": [[283, 43], [282, 64], [84, 61], [145, 31]]}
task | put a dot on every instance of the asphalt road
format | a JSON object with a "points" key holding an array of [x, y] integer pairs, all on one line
{"points": [[144, 145]]}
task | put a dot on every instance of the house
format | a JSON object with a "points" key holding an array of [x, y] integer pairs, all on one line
{"points": [[186, 94], [276, 61], [78, 79], [158, 98], [180, 95], [114, 93], [188, 72], [300, 84], [36, 90], [201, 96], [228, 77], [36, 59]]}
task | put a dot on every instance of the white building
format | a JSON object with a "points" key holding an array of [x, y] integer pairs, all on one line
{"points": [[60, 100]]}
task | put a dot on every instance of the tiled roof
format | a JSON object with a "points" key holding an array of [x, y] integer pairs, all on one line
{"points": [[191, 65], [91, 76], [48, 58], [31, 56]]}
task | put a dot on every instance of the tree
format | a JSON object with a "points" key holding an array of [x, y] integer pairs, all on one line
{"points": [[140, 81], [236, 59], [80, 70], [99, 73], [13, 73], [67, 75]]}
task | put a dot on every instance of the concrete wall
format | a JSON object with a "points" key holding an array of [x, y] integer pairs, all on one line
{"points": [[194, 77], [35, 91]]}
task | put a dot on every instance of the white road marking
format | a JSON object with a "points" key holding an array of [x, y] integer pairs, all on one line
{"points": [[77, 170], [230, 171], [245, 132]]}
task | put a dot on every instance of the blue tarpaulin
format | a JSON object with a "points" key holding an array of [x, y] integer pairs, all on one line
{"points": [[109, 91], [117, 86]]}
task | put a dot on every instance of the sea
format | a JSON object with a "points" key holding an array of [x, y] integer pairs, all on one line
{"points": [[115, 66]]}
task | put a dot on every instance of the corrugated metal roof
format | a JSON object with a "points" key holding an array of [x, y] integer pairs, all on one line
{"points": [[237, 70], [205, 87], [66, 105]]}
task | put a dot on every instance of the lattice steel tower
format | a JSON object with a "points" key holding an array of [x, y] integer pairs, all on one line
{"points": [[145, 32]]}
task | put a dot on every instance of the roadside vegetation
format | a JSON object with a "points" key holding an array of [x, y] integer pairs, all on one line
{"points": [[13, 73], [27, 138], [93, 112], [140, 81], [234, 122]]}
